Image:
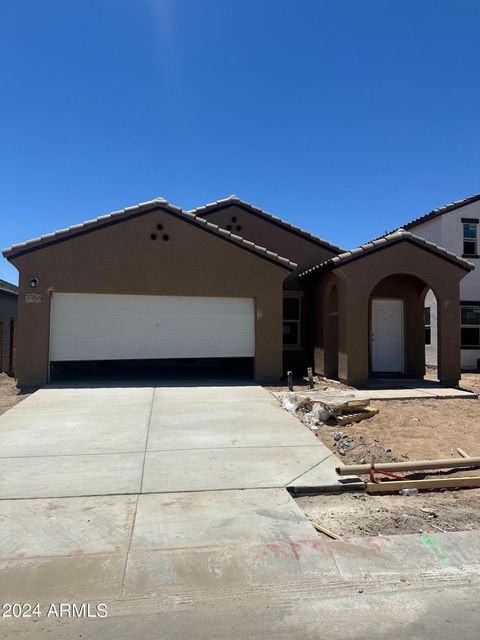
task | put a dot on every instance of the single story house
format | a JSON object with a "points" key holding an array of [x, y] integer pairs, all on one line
{"points": [[231, 281], [8, 315]]}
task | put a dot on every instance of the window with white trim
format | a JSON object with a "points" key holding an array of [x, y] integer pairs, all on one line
{"points": [[291, 321], [428, 325], [470, 326], [469, 239]]}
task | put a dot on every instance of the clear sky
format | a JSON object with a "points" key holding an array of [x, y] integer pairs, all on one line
{"points": [[346, 117]]}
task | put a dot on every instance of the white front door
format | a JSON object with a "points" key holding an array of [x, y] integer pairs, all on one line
{"points": [[387, 335]]}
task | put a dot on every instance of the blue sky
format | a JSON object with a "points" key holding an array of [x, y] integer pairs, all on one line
{"points": [[344, 117]]}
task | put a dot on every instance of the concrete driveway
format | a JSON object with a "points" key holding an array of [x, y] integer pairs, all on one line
{"points": [[118, 493], [170, 506], [106, 441]]}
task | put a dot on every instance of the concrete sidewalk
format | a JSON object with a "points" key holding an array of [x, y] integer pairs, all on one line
{"points": [[237, 565], [410, 389]]}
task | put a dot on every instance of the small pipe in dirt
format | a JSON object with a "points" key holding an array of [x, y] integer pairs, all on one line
{"points": [[290, 380], [310, 377]]}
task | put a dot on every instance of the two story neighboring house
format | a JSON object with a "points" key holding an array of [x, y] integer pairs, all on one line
{"points": [[455, 227]]}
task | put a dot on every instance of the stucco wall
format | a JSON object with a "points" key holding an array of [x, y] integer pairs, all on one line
{"points": [[468, 357], [447, 231], [122, 258], [304, 252]]}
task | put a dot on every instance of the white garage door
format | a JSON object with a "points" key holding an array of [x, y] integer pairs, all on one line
{"points": [[88, 326]]}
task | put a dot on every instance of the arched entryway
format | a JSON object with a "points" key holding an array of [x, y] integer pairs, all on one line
{"points": [[397, 326], [392, 274]]}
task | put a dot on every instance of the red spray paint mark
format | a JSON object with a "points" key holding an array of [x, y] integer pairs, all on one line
{"points": [[296, 548]]}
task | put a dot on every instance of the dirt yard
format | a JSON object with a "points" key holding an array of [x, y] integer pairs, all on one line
{"points": [[411, 429], [10, 395], [405, 429], [402, 430], [351, 515]]}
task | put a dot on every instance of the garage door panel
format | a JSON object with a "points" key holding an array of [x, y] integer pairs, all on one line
{"points": [[120, 327]]}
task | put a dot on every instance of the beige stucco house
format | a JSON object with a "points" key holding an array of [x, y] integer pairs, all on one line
{"points": [[230, 282], [455, 226]]}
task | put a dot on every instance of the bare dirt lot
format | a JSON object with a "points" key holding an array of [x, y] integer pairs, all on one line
{"points": [[357, 514], [412, 429], [404, 430], [10, 395]]}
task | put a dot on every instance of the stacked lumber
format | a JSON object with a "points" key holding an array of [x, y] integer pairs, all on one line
{"points": [[395, 483]]}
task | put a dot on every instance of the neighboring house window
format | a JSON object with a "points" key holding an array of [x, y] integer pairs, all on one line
{"points": [[470, 326], [291, 321], [428, 326], [469, 239]]}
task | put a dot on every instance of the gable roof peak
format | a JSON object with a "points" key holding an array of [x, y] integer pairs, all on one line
{"points": [[385, 241], [205, 209], [138, 209]]}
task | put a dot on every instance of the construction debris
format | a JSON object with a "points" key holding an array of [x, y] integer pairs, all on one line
{"points": [[330, 406], [359, 446], [320, 412]]}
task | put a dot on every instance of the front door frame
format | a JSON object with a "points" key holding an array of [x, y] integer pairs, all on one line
{"points": [[372, 372]]}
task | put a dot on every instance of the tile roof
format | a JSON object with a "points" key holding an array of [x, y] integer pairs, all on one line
{"points": [[380, 243], [143, 207], [439, 211], [232, 200], [7, 287]]}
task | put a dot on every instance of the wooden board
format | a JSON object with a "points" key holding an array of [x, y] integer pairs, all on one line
{"points": [[433, 483], [349, 418]]}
